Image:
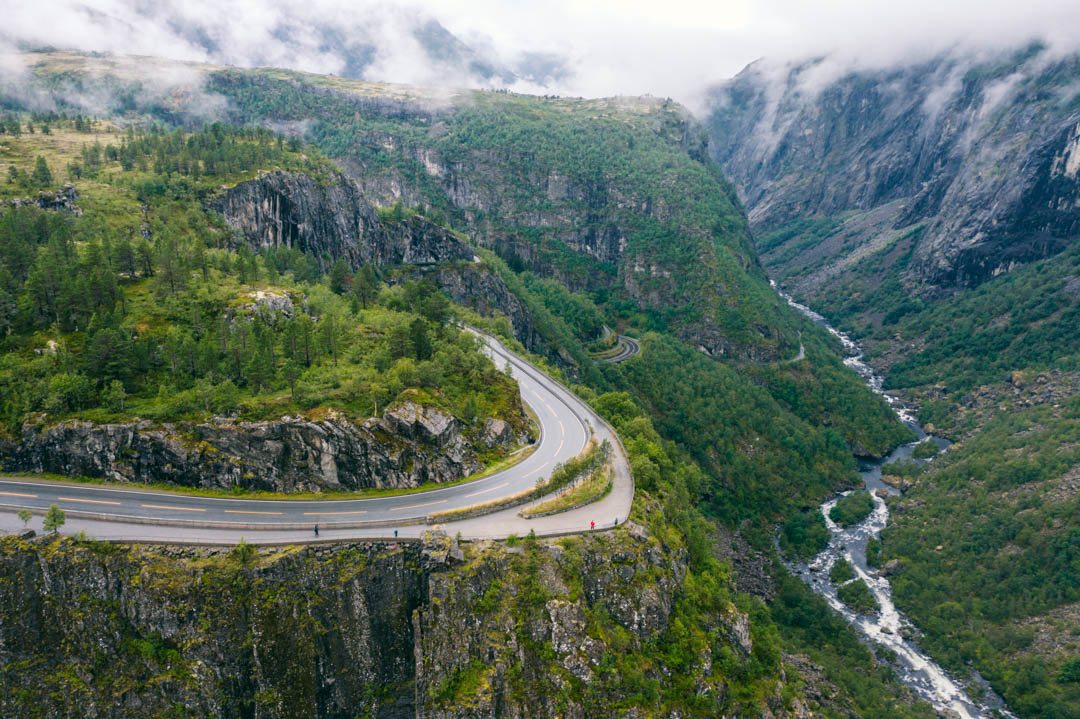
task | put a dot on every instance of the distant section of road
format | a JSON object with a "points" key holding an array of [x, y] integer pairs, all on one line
{"points": [[802, 352], [625, 348], [142, 515], [628, 347]]}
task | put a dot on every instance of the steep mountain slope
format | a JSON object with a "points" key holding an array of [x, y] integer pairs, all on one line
{"points": [[932, 210], [979, 154], [611, 196], [594, 211]]}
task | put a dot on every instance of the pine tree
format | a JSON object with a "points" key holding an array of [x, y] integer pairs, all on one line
{"points": [[291, 372], [42, 176], [115, 396], [365, 285], [421, 341], [339, 277]]}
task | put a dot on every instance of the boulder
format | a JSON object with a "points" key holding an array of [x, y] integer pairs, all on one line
{"points": [[496, 432]]}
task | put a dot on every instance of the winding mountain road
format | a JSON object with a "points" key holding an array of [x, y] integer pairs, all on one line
{"points": [[627, 347], [145, 515]]}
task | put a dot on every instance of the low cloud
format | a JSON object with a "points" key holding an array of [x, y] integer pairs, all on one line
{"points": [[602, 47]]}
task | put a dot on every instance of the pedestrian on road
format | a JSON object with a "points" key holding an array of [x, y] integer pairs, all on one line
{"points": [[592, 525], [316, 530], [395, 534]]}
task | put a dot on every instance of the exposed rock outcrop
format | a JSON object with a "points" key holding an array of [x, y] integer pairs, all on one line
{"points": [[537, 646], [408, 446], [331, 219], [61, 200], [104, 632]]}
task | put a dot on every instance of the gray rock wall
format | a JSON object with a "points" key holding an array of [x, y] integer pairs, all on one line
{"points": [[408, 446], [983, 151], [332, 219]]}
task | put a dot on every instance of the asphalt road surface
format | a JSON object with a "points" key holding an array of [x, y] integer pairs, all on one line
{"points": [[627, 347], [565, 422]]}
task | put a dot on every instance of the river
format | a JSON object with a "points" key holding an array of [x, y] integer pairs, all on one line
{"points": [[887, 628]]}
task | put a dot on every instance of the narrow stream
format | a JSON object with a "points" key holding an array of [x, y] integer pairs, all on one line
{"points": [[887, 628]]}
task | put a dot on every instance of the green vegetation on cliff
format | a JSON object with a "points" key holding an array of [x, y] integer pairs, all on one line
{"points": [[990, 540], [587, 190], [146, 304]]}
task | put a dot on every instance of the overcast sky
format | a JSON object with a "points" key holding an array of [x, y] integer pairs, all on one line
{"points": [[664, 47]]}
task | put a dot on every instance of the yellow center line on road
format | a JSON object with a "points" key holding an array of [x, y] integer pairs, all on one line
{"points": [[357, 511], [182, 509], [17, 494], [247, 511], [417, 506], [485, 491], [88, 501], [536, 470]]}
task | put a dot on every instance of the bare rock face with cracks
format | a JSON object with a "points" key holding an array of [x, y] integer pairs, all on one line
{"points": [[408, 445]]}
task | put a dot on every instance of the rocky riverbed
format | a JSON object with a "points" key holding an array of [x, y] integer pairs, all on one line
{"points": [[893, 636]]}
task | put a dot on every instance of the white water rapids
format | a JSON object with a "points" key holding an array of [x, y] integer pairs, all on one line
{"points": [[887, 628]]}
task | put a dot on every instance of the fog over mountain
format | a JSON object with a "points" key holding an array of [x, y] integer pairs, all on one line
{"points": [[596, 48]]}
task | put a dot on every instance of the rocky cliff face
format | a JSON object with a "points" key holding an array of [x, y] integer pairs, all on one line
{"points": [[541, 645], [100, 631], [331, 219], [408, 446], [392, 631], [582, 228], [981, 154], [506, 205]]}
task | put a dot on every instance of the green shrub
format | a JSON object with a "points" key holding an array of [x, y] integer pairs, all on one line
{"points": [[925, 449], [841, 571], [852, 508], [856, 595]]}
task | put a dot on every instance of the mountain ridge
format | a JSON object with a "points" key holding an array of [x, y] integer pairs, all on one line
{"points": [[974, 152]]}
